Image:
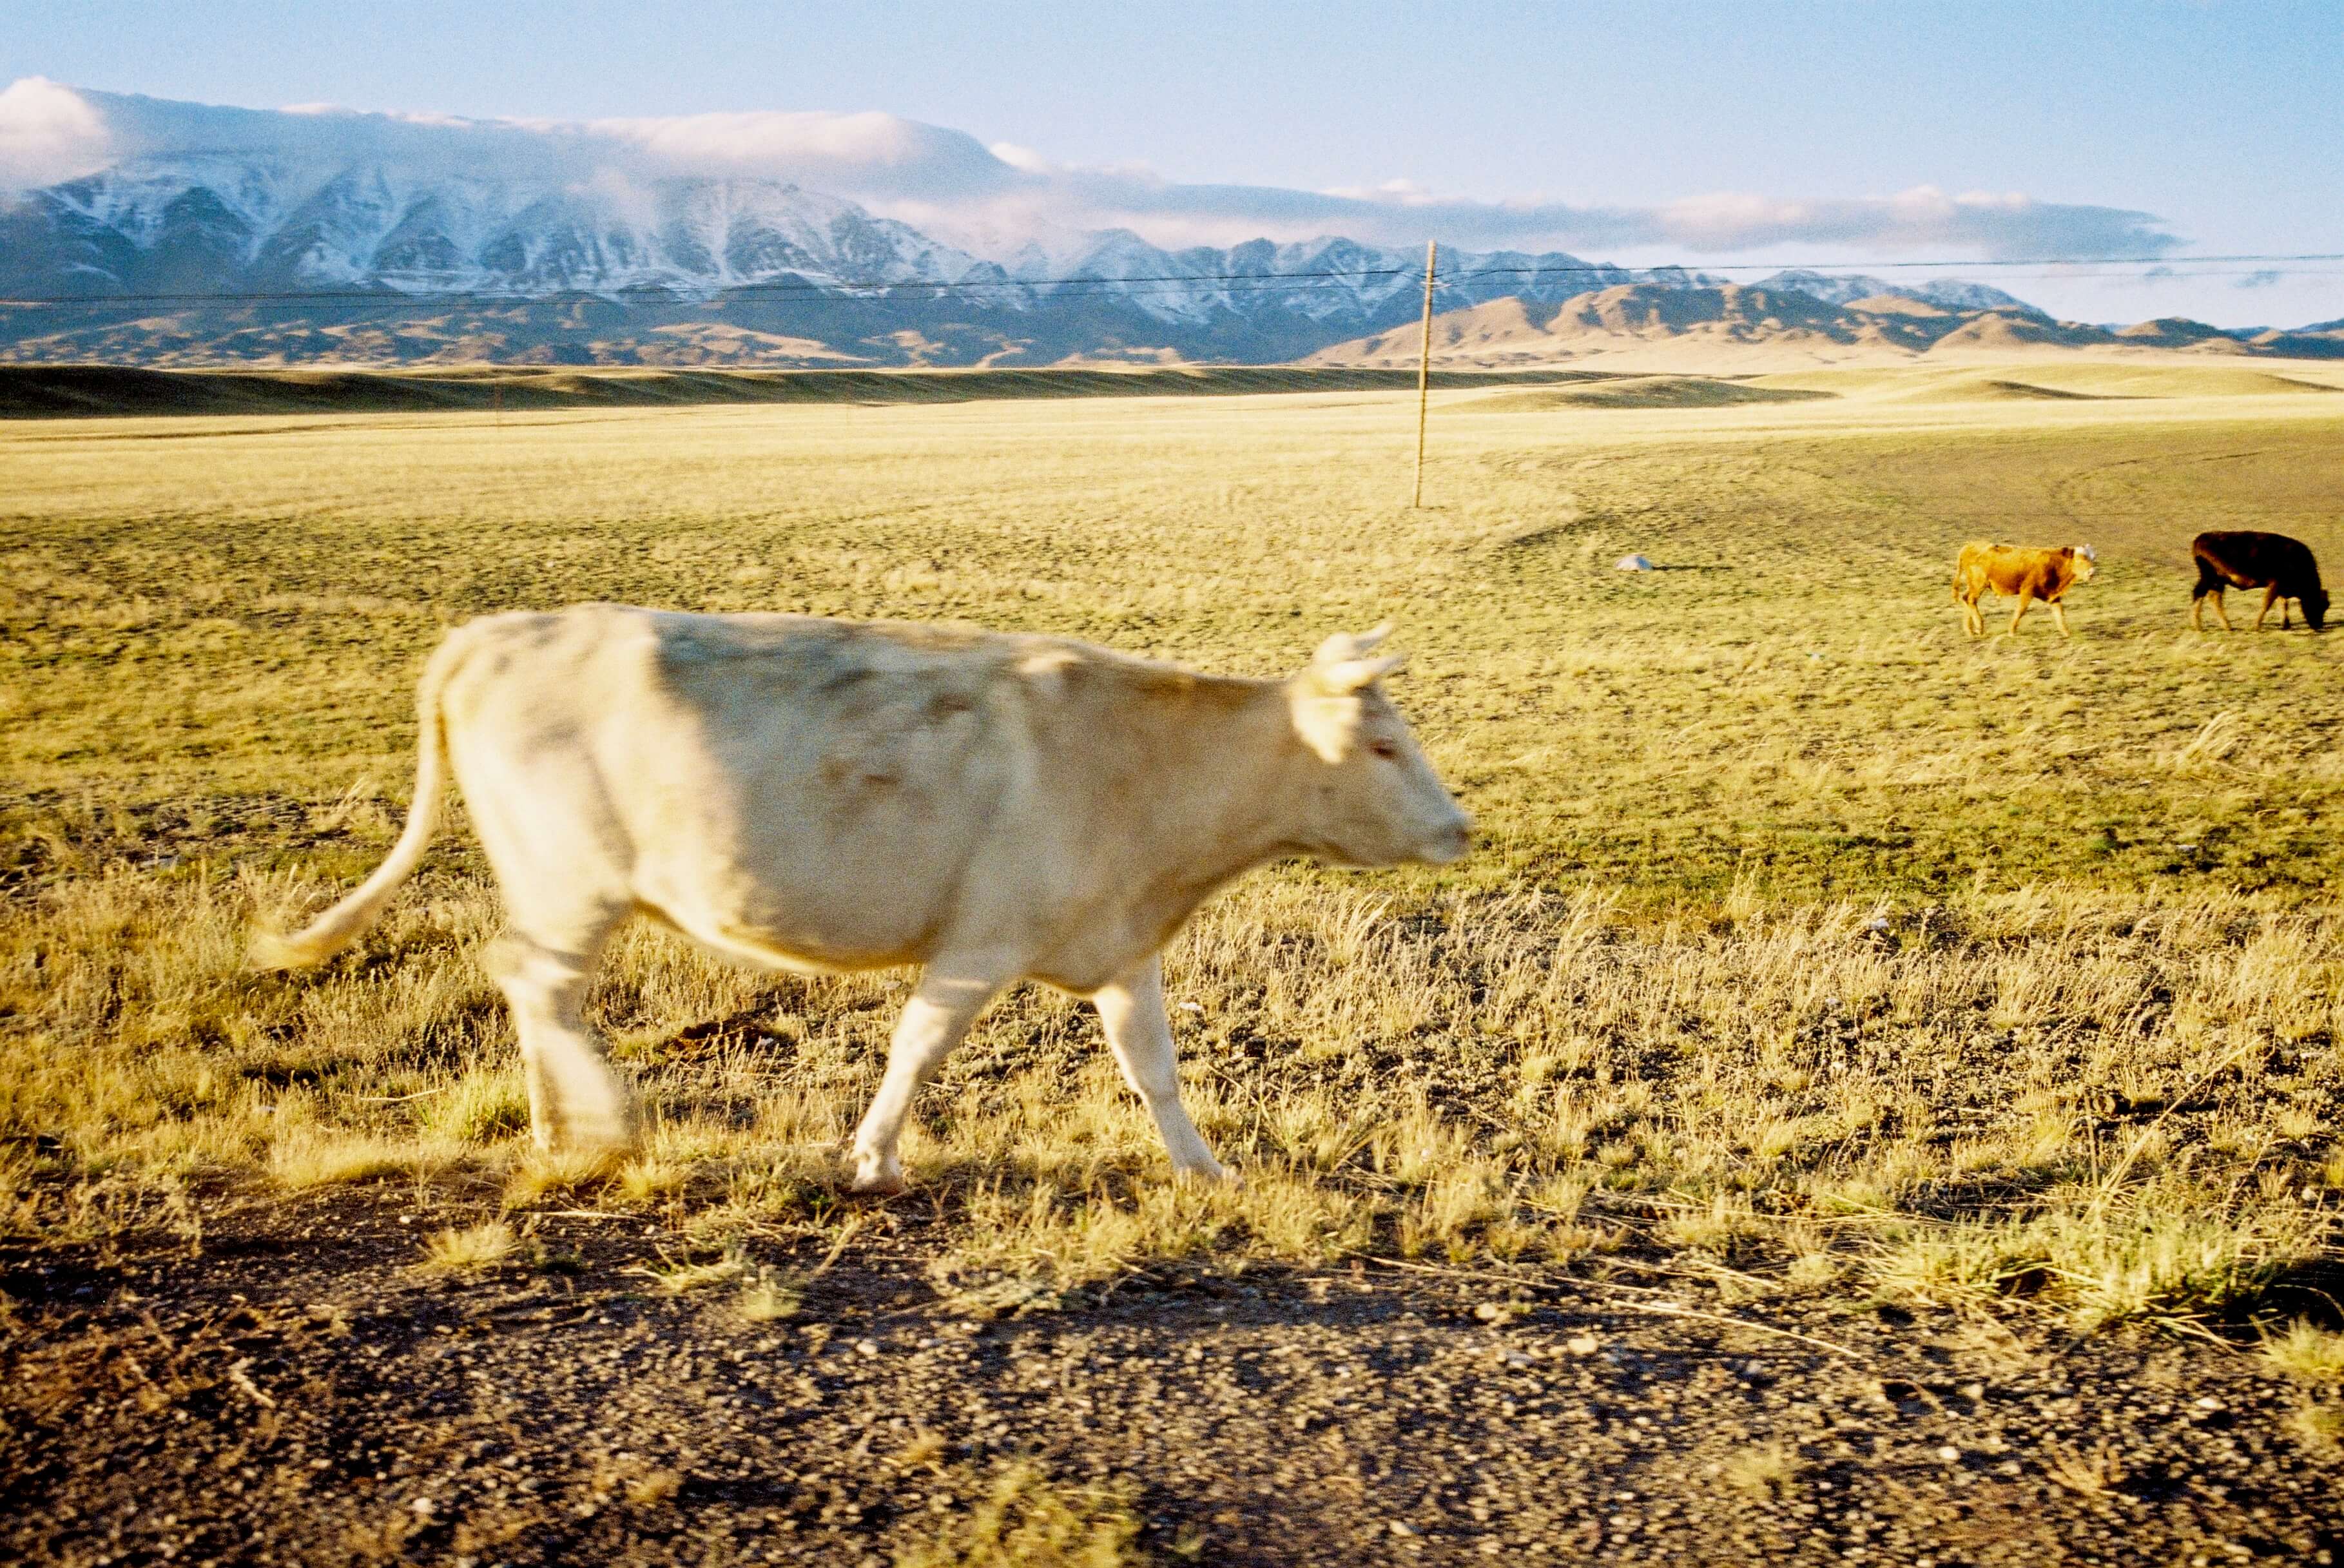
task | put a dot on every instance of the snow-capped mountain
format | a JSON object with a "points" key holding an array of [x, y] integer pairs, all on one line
{"points": [[265, 256], [151, 231], [170, 232], [1846, 288], [218, 224], [223, 226], [205, 235]]}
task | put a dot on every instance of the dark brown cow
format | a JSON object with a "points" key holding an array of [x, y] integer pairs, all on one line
{"points": [[2024, 572], [2272, 562]]}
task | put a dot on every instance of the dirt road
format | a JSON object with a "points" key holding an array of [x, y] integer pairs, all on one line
{"points": [[299, 1391]]}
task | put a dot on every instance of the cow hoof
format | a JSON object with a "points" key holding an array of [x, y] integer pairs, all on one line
{"points": [[596, 1140], [875, 1178], [593, 1139]]}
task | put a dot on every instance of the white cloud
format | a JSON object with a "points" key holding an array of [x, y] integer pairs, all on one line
{"points": [[948, 182], [869, 151], [1021, 158], [1996, 225], [48, 133]]}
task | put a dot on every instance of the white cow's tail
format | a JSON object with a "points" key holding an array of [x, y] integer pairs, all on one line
{"points": [[347, 921]]}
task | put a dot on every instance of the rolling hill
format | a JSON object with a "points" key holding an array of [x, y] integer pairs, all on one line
{"points": [[1767, 329]]}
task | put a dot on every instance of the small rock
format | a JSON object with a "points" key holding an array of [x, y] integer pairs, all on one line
{"points": [[424, 1506], [1580, 1344], [1400, 1529], [2208, 1403], [1950, 1454], [866, 1347]]}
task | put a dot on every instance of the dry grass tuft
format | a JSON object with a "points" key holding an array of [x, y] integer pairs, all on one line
{"points": [[320, 1157], [2094, 1472], [470, 1249], [542, 1177], [483, 1106], [2318, 1426], [680, 1277], [2166, 1256], [653, 1488], [630, 1478], [925, 1450], [2307, 1353], [767, 1295], [650, 1180], [1022, 1519], [1764, 1469]]}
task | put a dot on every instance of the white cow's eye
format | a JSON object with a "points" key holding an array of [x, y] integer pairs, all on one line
{"points": [[1386, 750]]}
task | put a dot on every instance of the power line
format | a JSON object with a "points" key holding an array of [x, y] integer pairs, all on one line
{"points": [[1141, 286]]}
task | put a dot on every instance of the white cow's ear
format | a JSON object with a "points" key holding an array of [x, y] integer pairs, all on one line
{"points": [[1344, 646], [1351, 675], [1325, 697], [1341, 664]]}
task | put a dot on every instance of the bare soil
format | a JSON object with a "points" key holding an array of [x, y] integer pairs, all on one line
{"points": [[292, 1388]]}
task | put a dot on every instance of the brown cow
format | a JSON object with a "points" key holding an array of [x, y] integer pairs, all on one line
{"points": [[2025, 573], [2267, 560]]}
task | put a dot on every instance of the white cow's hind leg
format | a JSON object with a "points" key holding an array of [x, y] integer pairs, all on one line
{"points": [[1140, 1035], [575, 1100], [948, 1000]]}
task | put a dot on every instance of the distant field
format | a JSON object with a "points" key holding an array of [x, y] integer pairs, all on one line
{"points": [[66, 392], [207, 607], [1816, 953]]}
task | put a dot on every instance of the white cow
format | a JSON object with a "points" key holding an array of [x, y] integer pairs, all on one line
{"points": [[836, 795]]}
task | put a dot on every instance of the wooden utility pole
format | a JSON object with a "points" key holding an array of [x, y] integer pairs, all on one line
{"points": [[1424, 369]]}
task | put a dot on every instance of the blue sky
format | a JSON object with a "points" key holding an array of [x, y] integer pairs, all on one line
{"points": [[1758, 130]]}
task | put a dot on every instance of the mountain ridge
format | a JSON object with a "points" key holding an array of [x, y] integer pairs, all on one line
{"points": [[1751, 327], [225, 256]]}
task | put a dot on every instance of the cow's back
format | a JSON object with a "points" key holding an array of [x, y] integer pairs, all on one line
{"points": [[2249, 559], [815, 785], [2011, 569]]}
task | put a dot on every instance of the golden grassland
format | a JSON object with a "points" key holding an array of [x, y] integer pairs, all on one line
{"points": [[1814, 950]]}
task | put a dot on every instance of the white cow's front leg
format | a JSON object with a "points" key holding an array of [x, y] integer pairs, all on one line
{"points": [[932, 1023], [1140, 1035]]}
